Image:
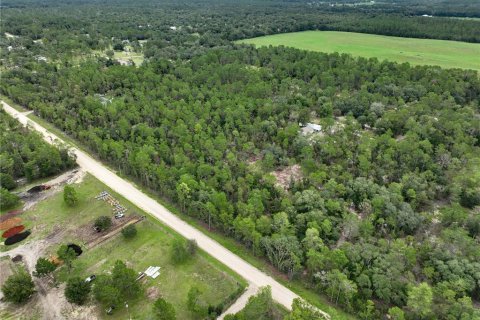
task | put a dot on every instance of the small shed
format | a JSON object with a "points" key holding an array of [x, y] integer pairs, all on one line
{"points": [[310, 128]]}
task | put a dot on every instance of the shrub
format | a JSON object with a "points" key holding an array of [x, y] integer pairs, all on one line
{"points": [[70, 196], [44, 267], [163, 310], [7, 199], [129, 231], [7, 182], [183, 250], [77, 290], [103, 223], [19, 287]]}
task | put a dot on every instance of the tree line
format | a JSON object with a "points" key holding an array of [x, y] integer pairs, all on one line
{"points": [[24, 155]]}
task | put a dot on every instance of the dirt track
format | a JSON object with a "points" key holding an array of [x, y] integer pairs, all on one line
{"points": [[254, 276]]}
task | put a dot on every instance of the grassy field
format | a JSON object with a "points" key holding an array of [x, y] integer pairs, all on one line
{"points": [[447, 54], [151, 246]]}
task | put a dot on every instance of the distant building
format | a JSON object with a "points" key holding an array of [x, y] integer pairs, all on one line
{"points": [[310, 128], [103, 100]]}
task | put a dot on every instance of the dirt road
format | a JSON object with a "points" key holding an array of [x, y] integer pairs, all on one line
{"points": [[254, 276]]}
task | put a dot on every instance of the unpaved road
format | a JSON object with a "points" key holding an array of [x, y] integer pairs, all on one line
{"points": [[238, 305], [254, 276]]}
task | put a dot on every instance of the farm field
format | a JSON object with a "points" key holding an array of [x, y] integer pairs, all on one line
{"points": [[53, 223], [446, 54]]}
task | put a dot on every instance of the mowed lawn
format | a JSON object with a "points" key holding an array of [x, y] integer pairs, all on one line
{"points": [[447, 54]]}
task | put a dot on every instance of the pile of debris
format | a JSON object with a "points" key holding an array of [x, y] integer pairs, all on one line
{"points": [[117, 207]]}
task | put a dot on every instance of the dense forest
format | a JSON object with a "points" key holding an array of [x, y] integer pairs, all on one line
{"points": [[377, 210], [24, 154], [93, 24]]}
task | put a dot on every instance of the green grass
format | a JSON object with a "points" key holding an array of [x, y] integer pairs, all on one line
{"points": [[151, 246], [447, 54]]}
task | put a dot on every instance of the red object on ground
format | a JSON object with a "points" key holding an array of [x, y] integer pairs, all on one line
{"points": [[13, 231], [10, 223]]}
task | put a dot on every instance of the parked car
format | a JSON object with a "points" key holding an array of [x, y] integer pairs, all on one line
{"points": [[119, 215], [91, 278]]}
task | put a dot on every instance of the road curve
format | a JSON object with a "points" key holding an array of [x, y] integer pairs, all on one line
{"points": [[254, 276]]}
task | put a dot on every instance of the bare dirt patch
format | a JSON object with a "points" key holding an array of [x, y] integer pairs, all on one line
{"points": [[284, 176], [55, 185], [153, 293], [87, 235]]}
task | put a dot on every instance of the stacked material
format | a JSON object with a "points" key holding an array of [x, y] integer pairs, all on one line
{"points": [[10, 223], [17, 238], [152, 272], [13, 231], [13, 228]]}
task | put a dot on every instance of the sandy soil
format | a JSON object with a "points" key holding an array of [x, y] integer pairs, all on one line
{"points": [[287, 174]]}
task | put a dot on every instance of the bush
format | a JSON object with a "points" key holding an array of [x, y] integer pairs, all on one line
{"points": [[70, 196], [470, 198], [118, 47], [7, 199], [44, 267], [117, 287], [7, 182], [192, 247], [183, 250], [193, 302], [19, 287], [129, 231], [103, 223], [77, 290], [163, 310]]}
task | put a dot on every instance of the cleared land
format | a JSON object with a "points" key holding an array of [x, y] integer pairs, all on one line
{"points": [[53, 223], [447, 54]]}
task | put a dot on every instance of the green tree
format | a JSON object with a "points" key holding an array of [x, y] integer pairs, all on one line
{"points": [[19, 287], [420, 300], [396, 313], [77, 290], [105, 291], [183, 250], [7, 199], [70, 195], [129, 231], [183, 194], [103, 223], [124, 279], [7, 182], [302, 310], [67, 255], [163, 310], [44, 267], [193, 302]]}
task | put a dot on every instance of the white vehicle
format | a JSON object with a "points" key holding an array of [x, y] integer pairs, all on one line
{"points": [[119, 215]]}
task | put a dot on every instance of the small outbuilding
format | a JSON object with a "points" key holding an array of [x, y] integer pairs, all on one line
{"points": [[310, 128]]}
